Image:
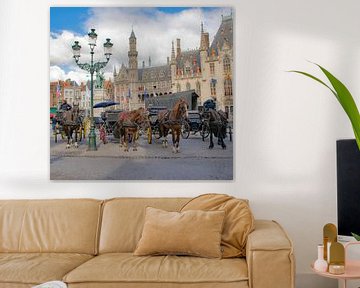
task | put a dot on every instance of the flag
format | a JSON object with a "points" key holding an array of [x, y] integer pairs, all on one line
{"points": [[58, 90]]}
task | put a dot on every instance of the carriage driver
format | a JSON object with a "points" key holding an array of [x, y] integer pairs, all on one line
{"points": [[65, 106]]}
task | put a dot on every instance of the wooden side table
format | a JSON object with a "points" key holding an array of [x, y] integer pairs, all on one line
{"points": [[352, 268]]}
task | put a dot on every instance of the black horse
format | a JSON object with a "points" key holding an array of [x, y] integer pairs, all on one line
{"points": [[216, 122], [71, 122]]}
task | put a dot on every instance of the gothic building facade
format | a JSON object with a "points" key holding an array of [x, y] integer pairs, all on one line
{"points": [[208, 70], [132, 84]]}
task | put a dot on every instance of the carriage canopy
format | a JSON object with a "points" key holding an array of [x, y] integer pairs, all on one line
{"points": [[169, 100]]}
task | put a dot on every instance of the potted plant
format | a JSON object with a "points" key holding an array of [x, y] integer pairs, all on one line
{"points": [[347, 102]]}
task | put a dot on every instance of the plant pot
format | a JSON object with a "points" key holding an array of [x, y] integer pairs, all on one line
{"points": [[348, 183]]}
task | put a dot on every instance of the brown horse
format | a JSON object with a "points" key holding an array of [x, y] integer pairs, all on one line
{"points": [[173, 120], [128, 127], [71, 122]]}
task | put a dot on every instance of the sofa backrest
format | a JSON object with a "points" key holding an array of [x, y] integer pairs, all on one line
{"points": [[123, 220], [66, 226]]}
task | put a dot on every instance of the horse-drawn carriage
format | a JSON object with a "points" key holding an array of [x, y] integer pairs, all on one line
{"points": [[154, 128], [69, 122], [58, 127], [110, 118], [194, 123]]}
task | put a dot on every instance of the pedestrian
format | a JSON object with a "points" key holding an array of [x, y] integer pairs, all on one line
{"points": [[65, 106], [53, 123]]}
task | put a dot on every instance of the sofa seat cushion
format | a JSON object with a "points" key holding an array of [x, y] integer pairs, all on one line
{"points": [[127, 268], [36, 268]]}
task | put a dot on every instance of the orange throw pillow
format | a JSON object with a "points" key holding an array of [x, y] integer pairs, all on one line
{"points": [[238, 223], [196, 233]]}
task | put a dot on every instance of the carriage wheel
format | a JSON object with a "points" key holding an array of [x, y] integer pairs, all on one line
{"points": [[185, 130], [205, 131], [149, 135]]}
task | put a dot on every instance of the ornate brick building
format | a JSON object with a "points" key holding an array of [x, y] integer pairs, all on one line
{"points": [[208, 70]]}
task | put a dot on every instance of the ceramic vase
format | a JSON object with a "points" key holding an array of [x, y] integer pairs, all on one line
{"points": [[320, 264]]}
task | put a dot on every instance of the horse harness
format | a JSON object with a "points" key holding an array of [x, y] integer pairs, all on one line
{"points": [[167, 121]]}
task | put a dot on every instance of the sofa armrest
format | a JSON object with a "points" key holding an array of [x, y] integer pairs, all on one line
{"points": [[269, 256]]}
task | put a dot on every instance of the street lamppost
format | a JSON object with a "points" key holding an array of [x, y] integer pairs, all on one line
{"points": [[92, 67]]}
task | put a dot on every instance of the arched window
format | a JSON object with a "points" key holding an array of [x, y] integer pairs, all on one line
{"points": [[228, 87], [178, 87], [227, 67], [188, 86], [213, 87], [198, 89]]}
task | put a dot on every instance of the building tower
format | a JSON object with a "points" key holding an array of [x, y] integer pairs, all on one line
{"points": [[173, 64], [204, 48], [114, 73], [178, 48], [133, 61]]}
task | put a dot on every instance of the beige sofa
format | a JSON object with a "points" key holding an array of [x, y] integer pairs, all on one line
{"points": [[89, 243]]}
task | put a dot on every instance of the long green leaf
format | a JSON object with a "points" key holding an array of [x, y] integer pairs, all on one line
{"points": [[316, 79], [347, 102], [344, 97], [357, 237]]}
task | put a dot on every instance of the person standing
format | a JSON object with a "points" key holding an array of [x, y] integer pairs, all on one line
{"points": [[65, 106]]}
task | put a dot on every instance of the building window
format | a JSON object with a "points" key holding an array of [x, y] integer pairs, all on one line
{"points": [[188, 86], [227, 67], [228, 87], [198, 89], [213, 87], [178, 87], [212, 68]]}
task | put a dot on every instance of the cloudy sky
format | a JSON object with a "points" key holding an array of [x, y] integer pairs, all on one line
{"points": [[154, 29]]}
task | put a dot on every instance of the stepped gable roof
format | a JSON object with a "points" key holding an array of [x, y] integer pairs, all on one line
{"points": [[188, 57], [224, 33], [107, 84], [70, 84], [156, 73]]}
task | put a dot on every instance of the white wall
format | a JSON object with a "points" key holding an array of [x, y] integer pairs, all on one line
{"points": [[286, 125]]}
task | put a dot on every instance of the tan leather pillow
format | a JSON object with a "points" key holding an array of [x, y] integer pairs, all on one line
{"points": [[196, 233], [238, 223]]}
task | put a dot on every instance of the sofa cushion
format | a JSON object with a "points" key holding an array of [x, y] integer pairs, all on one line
{"points": [[123, 220], [238, 223], [193, 232], [62, 226], [36, 268], [126, 268]]}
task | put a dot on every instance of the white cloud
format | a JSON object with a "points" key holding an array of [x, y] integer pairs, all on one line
{"points": [[154, 31], [56, 73]]}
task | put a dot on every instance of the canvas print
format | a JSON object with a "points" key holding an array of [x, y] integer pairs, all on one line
{"points": [[142, 93]]}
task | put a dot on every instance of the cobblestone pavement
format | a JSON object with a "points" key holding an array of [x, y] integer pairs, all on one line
{"points": [[150, 162]]}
